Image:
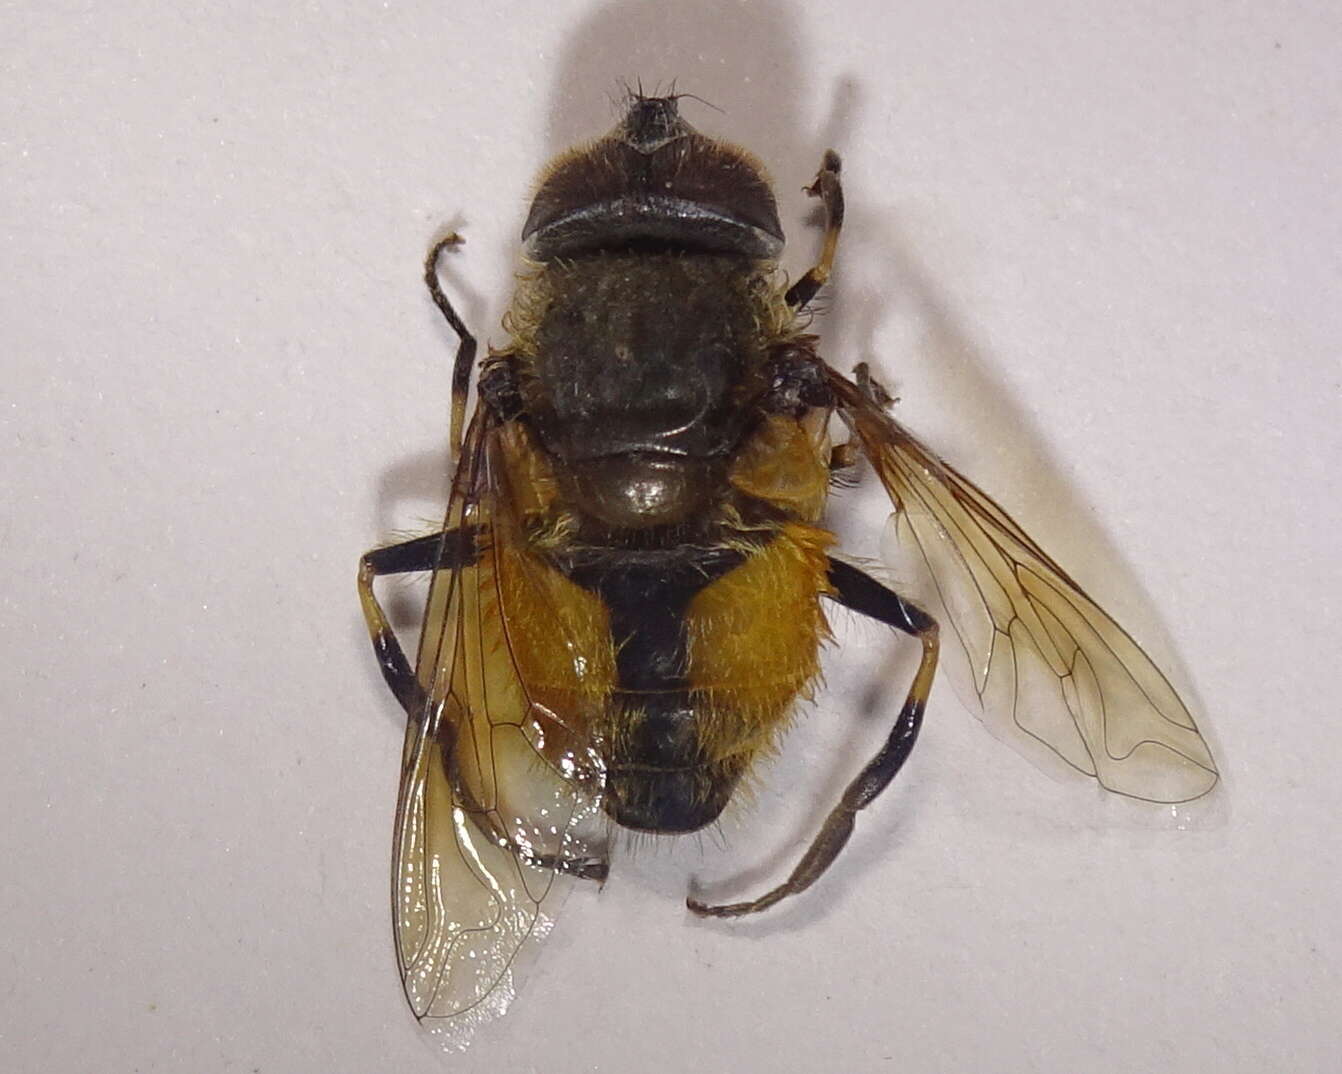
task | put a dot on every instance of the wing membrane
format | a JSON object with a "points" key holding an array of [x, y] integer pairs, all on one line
{"points": [[1049, 670], [486, 826]]}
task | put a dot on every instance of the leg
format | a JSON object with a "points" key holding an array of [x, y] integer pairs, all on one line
{"points": [[844, 456], [865, 595], [421, 554], [461, 368], [829, 190], [872, 388], [597, 869]]}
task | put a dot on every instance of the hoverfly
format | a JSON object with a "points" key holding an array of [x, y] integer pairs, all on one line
{"points": [[627, 593]]}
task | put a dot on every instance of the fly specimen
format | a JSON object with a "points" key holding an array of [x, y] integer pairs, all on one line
{"points": [[627, 592]]}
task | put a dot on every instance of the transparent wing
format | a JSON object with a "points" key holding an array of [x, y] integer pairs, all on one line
{"points": [[1050, 671], [488, 830]]}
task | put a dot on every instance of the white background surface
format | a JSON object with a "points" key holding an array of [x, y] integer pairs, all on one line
{"points": [[1095, 248]]}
